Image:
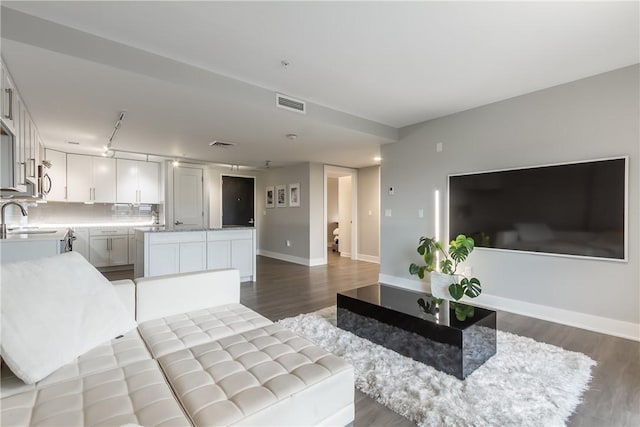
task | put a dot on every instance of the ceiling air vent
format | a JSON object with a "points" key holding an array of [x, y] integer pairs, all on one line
{"points": [[221, 144], [291, 104]]}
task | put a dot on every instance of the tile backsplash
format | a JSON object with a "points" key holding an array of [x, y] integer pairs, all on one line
{"points": [[80, 213]]}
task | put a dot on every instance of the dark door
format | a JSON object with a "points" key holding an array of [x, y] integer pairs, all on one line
{"points": [[237, 201]]}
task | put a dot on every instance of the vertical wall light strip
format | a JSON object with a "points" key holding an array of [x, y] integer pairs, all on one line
{"points": [[436, 223]]}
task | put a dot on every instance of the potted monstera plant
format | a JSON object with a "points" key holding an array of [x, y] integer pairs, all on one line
{"points": [[446, 284]]}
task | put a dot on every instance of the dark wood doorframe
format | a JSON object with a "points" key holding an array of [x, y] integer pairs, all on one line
{"points": [[238, 200]]}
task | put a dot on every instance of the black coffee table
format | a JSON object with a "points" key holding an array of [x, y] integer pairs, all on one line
{"points": [[391, 317]]}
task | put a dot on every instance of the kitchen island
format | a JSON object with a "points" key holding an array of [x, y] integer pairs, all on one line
{"points": [[160, 251]]}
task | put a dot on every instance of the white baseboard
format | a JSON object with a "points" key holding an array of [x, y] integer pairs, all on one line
{"points": [[605, 325], [317, 261], [290, 258], [345, 254], [369, 258]]}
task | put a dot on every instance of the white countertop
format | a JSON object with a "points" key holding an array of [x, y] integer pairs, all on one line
{"points": [[58, 234], [95, 224], [151, 229]]}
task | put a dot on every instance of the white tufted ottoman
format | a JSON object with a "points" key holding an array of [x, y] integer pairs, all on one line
{"points": [[266, 376]]}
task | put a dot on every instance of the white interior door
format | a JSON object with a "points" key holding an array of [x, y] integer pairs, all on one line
{"points": [[188, 208]]}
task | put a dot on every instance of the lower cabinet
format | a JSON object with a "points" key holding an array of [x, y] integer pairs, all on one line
{"points": [[108, 246], [160, 253], [175, 252], [232, 249], [107, 251]]}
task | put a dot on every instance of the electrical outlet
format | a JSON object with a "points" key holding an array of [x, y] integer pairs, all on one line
{"points": [[370, 213], [420, 213], [468, 271], [439, 147], [288, 243], [391, 191], [387, 212]]}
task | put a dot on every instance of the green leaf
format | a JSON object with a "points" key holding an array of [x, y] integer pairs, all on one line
{"points": [[446, 266], [422, 304], [472, 288], [421, 273], [413, 268], [456, 291]]}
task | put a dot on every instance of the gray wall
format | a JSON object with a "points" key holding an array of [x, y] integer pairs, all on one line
{"points": [[281, 224], [369, 212], [590, 118]]}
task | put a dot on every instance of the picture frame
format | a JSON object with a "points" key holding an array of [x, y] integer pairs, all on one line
{"points": [[281, 196], [294, 195], [270, 197]]}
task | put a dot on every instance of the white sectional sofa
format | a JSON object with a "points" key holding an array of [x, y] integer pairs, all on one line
{"points": [[198, 357]]}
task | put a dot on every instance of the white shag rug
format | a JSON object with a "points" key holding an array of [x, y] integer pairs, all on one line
{"points": [[527, 383]]}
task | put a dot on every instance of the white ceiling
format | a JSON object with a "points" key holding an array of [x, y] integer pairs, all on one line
{"points": [[377, 66]]}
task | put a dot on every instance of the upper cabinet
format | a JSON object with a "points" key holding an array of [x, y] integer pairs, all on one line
{"points": [[58, 174], [137, 181], [27, 150], [8, 109], [91, 179]]}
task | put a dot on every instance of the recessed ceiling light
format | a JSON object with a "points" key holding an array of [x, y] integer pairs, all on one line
{"points": [[377, 158], [176, 163], [285, 64], [292, 136], [73, 142]]}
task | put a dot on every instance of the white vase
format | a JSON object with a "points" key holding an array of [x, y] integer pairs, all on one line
{"points": [[440, 284]]}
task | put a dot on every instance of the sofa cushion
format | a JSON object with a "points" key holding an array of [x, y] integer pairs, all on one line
{"points": [[185, 330], [53, 310], [265, 376], [116, 353], [136, 394]]}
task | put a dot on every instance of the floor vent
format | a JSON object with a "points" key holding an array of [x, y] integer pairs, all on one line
{"points": [[291, 104]]}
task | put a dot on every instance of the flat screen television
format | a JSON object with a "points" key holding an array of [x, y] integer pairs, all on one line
{"points": [[569, 209]]}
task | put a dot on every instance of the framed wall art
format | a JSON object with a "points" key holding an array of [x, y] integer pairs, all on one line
{"points": [[294, 195], [281, 196], [270, 197]]}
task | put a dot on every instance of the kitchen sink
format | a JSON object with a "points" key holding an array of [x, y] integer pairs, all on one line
{"points": [[31, 231]]}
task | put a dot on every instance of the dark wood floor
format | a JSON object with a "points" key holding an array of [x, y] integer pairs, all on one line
{"points": [[613, 399]]}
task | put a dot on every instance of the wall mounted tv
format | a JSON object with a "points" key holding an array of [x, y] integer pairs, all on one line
{"points": [[569, 209]]}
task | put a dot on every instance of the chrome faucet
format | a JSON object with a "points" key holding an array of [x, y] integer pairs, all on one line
{"points": [[3, 229]]}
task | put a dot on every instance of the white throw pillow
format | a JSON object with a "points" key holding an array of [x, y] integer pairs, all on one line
{"points": [[53, 310]]}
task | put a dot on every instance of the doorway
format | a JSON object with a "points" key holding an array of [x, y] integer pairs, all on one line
{"points": [[340, 211], [238, 200]]}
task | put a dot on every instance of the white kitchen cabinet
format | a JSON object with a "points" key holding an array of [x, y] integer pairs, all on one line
{"points": [[232, 249], [8, 100], [58, 174], [132, 248], [172, 252], [193, 256], [218, 254], [108, 246], [137, 181], [91, 179], [81, 244], [164, 258], [242, 256]]}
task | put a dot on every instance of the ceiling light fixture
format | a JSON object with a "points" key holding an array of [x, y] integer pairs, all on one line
{"points": [[377, 158], [285, 64], [116, 127], [73, 142], [292, 136], [175, 163]]}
